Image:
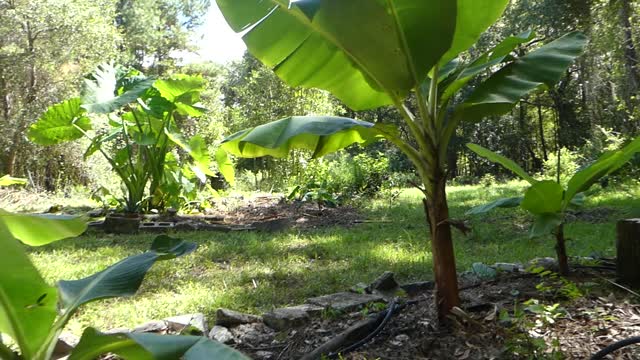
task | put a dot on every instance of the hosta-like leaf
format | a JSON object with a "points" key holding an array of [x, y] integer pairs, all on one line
{"points": [[545, 224], [541, 68], [8, 180], [499, 159], [320, 134], [123, 278], [38, 230], [606, 164], [27, 304], [136, 346], [184, 92], [100, 94], [58, 124], [544, 197], [501, 203], [197, 149], [225, 166]]}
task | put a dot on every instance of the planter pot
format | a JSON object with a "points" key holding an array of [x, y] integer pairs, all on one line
{"points": [[122, 223]]}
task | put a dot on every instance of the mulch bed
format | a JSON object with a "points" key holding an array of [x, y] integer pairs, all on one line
{"points": [[601, 316]]}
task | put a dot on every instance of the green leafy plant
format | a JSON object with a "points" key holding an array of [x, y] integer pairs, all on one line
{"points": [[143, 117], [9, 180], [372, 53], [548, 200], [314, 192], [33, 313]]}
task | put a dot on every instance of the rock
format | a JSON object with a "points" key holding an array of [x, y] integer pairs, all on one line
{"points": [[508, 267], [483, 271], [344, 301], [289, 317], [384, 282], [66, 343], [230, 318], [180, 323], [418, 287], [264, 355], [172, 212], [402, 337], [253, 334], [97, 213], [221, 334], [155, 326], [547, 263]]}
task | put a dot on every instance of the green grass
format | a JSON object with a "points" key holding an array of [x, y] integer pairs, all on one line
{"points": [[288, 267]]}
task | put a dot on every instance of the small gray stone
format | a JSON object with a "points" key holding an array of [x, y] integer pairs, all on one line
{"points": [[547, 263], [402, 337], [384, 282], [230, 318], [97, 213], [66, 343], [289, 317], [345, 301], [221, 334], [508, 267], [266, 355], [151, 327], [178, 323]]}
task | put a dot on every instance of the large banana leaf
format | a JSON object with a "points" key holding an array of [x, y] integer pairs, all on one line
{"points": [[58, 124], [319, 134], [541, 68], [133, 346], [368, 53], [38, 230], [544, 197], [500, 203], [8, 180], [27, 303], [100, 94], [121, 279], [605, 165], [504, 161]]}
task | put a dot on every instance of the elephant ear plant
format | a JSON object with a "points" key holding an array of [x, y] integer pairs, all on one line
{"points": [[547, 200], [33, 313], [137, 121], [373, 53]]}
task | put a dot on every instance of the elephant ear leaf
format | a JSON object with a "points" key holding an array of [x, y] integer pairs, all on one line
{"points": [[540, 68], [499, 159], [100, 93], [141, 346], [225, 166], [27, 304], [319, 134], [606, 164], [121, 279], [60, 123]]}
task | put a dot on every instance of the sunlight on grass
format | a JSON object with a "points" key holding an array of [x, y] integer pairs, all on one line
{"points": [[256, 272]]}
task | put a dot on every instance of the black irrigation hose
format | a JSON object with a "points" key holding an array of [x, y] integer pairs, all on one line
{"points": [[615, 346], [390, 310]]}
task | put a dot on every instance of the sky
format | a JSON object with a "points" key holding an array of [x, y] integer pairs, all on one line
{"points": [[216, 40]]}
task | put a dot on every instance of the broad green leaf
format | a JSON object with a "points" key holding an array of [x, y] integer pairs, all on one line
{"points": [[141, 346], [606, 164], [58, 124], [501, 203], [364, 52], [197, 149], [38, 230], [96, 143], [225, 166], [27, 303], [123, 278], [474, 17], [8, 180], [100, 94], [491, 58], [545, 224], [544, 197], [541, 68], [320, 134], [184, 92], [499, 159]]}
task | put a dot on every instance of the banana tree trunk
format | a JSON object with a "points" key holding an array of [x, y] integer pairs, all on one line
{"points": [[561, 251], [444, 262]]}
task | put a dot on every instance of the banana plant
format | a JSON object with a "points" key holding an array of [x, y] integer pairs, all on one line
{"points": [[373, 53], [547, 200], [143, 117], [34, 313], [9, 180]]}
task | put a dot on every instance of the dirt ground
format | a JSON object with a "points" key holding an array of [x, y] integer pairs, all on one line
{"points": [[578, 328]]}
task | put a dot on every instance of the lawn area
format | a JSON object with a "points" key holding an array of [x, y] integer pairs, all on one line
{"points": [[255, 272]]}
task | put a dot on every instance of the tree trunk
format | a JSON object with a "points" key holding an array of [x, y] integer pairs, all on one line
{"points": [[628, 251], [630, 53], [543, 142], [444, 263], [561, 251]]}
